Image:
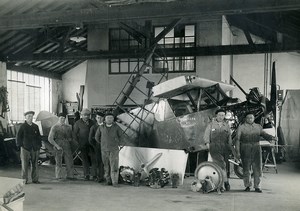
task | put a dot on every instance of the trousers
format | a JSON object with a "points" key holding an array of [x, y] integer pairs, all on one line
{"points": [[99, 168], [251, 158], [65, 153], [111, 165], [32, 158], [220, 155]]}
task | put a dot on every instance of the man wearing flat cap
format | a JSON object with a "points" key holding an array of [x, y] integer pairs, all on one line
{"points": [[81, 132], [109, 135], [30, 142], [60, 137]]}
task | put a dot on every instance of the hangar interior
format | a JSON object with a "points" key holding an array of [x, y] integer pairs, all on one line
{"points": [[63, 56]]}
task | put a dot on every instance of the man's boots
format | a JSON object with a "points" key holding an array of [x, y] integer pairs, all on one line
{"points": [[227, 186]]}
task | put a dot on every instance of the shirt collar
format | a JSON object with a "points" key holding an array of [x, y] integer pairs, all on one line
{"points": [[28, 123]]}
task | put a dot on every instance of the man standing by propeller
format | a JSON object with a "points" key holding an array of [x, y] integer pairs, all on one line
{"points": [[109, 135]]}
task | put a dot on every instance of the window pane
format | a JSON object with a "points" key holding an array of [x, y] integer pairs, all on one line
{"points": [[114, 67], [114, 45], [134, 44], [30, 92], [177, 65], [158, 30], [170, 34], [124, 66], [114, 34], [20, 76], [189, 65], [133, 66], [124, 34], [190, 30], [179, 31], [124, 44], [189, 39], [170, 65], [14, 75]]}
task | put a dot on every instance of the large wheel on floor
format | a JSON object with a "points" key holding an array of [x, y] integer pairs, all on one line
{"points": [[211, 169]]}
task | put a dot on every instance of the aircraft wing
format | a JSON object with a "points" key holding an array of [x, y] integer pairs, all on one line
{"points": [[178, 85]]}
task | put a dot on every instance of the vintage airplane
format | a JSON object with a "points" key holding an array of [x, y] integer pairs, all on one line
{"points": [[184, 107]]}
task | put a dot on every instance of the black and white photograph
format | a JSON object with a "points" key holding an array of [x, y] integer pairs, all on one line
{"points": [[143, 105]]}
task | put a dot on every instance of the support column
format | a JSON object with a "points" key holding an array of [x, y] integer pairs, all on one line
{"points": [[3, 82], [97, 82], [209, 33], [3, 74]]}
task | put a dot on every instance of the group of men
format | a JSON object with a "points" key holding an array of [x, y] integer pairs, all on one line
{"points": [[96, 142], [101, 140], [218, 139]]}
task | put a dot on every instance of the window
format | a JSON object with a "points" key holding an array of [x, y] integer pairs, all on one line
{"points": [[119, 39], [125, 66], [182, 36], [174, 64], [27, 92]]}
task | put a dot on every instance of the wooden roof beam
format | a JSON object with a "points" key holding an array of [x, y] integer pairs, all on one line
{"points": [[31, 70], [193, 51], [191, 8]]}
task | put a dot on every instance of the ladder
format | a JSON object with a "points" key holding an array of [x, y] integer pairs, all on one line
{"points": [[137, 116]]}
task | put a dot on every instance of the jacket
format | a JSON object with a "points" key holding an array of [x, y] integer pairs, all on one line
{"points": [[29, 137], [81, 132], [109, 137], [60, 133], [92, 134]]}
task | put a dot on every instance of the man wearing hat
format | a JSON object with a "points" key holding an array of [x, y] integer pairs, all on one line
{"points": [[248, 149], [217, 137], [81, 132], [109, 135], [97, 147], [60, 137], [30, 142]]}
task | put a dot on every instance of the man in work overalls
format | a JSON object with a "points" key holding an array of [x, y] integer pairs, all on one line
{"points": [[217, 138], [249, 150]]}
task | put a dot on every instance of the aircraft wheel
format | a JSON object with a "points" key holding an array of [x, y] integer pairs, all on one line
{"points": [[211, 169]]}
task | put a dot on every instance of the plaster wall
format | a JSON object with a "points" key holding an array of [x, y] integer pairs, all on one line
{"points": [[71, 82], [248, 70], [103, 88]]}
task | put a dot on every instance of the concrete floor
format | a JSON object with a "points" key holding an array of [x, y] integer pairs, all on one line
{"points": [[280, 192]]}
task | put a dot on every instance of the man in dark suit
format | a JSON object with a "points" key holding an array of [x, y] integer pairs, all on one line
{"points": [[29, 140]]}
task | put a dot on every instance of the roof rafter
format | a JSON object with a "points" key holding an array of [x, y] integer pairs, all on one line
{"points": [[193, 51], [30, 70], [143, 11]]}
